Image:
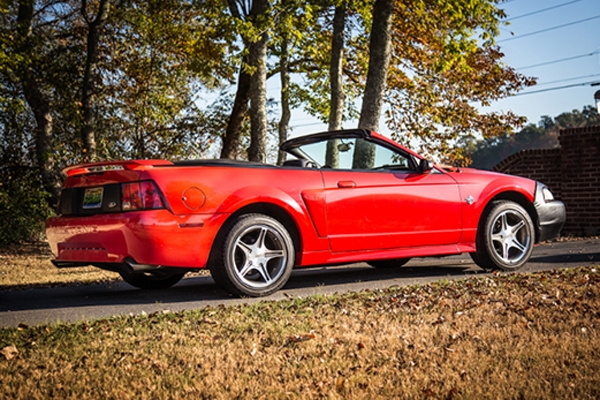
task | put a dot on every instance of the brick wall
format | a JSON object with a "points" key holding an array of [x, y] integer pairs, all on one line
{"points": [[541, 165], [572, 173]]}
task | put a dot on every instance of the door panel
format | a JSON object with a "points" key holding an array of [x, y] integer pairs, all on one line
{"points": [[387, 209]]}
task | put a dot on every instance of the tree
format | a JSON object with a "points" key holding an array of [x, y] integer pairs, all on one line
{"points": [[446, 65], [89, 77], [320, 64], [156, 57], [284, 73], [252, 22], [379, 60], [336, 111], [135, 84], [292, 19], [257, 59], [26, 72]]}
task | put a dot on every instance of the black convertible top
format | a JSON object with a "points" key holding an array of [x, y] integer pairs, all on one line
{"points": [[220, 162]]}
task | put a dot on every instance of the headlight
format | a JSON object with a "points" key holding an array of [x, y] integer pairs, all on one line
{"points": [[547, 194]]}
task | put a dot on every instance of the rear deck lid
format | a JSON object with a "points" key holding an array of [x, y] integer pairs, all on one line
{"points": [[105, 166]]}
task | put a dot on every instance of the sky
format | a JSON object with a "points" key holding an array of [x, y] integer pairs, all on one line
{"points": [[524, 49], [578, 38]]}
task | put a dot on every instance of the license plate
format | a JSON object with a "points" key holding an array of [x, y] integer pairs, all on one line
{"points": [[92, 198]]}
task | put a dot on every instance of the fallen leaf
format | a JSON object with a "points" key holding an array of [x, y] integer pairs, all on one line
{"points": [[449, 350], [340, 384], [208, 321], [9, 352], [299, 338]]}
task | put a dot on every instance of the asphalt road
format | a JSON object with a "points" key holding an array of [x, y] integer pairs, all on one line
{"points": [[75, 303]]}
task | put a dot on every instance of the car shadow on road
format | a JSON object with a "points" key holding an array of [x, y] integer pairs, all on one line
{"points": [[567, 258], [202, 289]]}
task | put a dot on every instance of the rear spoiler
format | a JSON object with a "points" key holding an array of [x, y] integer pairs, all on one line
{"points": [[133, 165]]}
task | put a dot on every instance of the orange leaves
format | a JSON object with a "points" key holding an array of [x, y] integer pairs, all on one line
{"points": [[442, 73]]}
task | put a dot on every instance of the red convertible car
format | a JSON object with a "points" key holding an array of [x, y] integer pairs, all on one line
{"points": [[342, 197]]}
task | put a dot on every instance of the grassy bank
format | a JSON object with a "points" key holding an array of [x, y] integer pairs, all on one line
{"points": [[509, 336], [28, 265]]}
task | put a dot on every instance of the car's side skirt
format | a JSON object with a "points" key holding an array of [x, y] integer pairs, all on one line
{"points": [[324, 258]]}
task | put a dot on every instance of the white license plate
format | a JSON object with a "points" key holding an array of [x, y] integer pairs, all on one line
{"points": [[92, 198]]}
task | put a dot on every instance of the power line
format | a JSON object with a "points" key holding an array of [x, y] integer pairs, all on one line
{"points": [[567, 79], [549, 29], [313, 124], [541, 11], [554, 88], [560, 60]]}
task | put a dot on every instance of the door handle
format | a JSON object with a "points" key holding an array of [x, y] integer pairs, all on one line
{"points": [[346, 184]]}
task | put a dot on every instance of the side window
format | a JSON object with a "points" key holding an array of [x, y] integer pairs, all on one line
{"points": [[386, 159], [353, 153]]}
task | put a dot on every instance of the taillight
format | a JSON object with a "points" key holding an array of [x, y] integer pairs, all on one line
{"points": [[140, 196]]}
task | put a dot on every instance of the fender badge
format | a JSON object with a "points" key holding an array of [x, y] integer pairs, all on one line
{"points": [[470, 200], [112, 204]]}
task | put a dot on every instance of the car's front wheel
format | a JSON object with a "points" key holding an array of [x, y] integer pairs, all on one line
{"points": [[255, 256], [151, 280], [505, 237]]}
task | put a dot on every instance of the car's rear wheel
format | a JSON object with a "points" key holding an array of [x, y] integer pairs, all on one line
{"points": [[383, 264], [505, 237], [151, 280], [254, 257]]}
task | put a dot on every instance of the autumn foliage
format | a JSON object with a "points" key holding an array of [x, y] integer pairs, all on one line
{"points": [[105, 79]]}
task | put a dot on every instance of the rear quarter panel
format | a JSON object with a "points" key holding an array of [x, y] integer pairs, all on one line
{"points": [[229, 189]]}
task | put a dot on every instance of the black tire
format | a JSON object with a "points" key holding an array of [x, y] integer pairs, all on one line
{"points": [[505, 237], [151, 280], [384, 264], [253, 257]]}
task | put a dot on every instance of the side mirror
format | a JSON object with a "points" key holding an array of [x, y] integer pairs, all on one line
{"points": [[425, 166]]}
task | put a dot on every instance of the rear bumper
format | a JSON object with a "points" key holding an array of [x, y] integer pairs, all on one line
{"points": [[152, 238], [551, 216]]}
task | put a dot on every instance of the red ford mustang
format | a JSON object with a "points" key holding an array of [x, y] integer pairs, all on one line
{"points": [[343, 197]]}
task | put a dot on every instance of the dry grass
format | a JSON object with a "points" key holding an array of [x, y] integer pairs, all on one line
{"points": [[29, 265], [509, 336]]}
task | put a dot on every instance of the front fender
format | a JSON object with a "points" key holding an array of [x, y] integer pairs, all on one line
{"points": [[479, 193]]}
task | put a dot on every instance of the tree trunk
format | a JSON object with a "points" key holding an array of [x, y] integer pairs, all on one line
{"points": [[257, 58], [39, 105], [231, 140], [379, 60], [336, 112], [284, 72], [87, 130]]}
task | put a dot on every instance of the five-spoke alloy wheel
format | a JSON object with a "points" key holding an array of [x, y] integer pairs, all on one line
{"points": [[505, 237], [256, 256]]}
